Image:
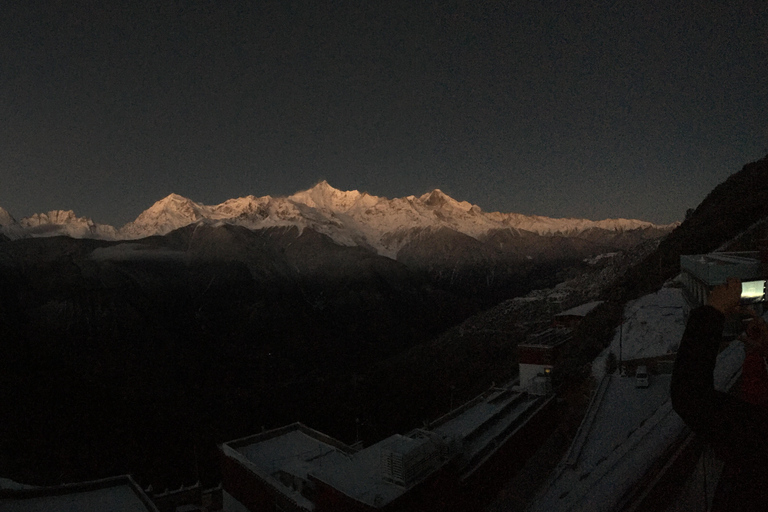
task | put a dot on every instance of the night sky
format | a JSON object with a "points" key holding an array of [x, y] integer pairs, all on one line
{"points": [[566, 109]]}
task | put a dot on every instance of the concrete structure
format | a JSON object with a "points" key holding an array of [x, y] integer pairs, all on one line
{"points": [[486, 424], [296, 468], [538, 357], [118, 494], [192, 498], [702, 272]]}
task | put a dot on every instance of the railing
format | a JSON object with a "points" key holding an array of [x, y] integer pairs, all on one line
{"points": [[586, 424]]}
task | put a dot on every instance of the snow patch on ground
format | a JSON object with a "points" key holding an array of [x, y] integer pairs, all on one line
{"points": [[596, 259], [626, 431], [653, 326]]}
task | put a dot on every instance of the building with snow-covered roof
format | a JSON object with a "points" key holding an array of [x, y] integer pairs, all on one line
{"points": [[572, 317], [187, 498], [300, 469], [297, 468], [700, 273], [117, 494], [501, 420]]}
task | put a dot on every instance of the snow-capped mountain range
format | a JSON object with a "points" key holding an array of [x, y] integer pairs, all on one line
{"points": [[349, 218]]}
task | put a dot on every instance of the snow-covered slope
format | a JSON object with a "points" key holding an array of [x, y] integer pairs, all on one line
{"points": [[169, 213], [653, 326], [8, 225], [6, 219], [65, 222], [54, 223], [348, 217]]}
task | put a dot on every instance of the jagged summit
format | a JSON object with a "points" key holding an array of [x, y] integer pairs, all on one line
{"points": [[242, 206], [434, 198], [52, 217], [326, 197], [437, 198], [172, 202], [61, 223], [169, 213], [173, 197], [9, 228], [6, 219]]}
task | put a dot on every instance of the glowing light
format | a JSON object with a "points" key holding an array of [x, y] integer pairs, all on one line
{"points": [[753, 290]]}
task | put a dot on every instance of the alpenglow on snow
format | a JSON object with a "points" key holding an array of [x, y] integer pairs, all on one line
{"points": [[347, 217]]}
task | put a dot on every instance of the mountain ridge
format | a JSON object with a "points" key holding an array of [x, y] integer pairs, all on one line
{"points": [[349, 218]]}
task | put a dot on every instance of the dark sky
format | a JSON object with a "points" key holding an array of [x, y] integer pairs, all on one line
{"points": [[575, 108]]}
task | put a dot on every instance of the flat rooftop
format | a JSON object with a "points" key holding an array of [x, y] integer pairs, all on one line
{"points": [[715, 267], [549, 338], [472, 432], [118, 494], [581, 310], [486, 425], [300, 451]]}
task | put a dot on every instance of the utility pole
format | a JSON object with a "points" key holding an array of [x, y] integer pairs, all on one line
{"points": [[621, 341]]}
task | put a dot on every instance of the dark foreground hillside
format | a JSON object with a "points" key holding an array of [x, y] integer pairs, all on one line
{"points": [[140, 357]]}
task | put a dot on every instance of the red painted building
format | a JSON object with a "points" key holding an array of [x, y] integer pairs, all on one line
{"points": [[539, 356]]}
